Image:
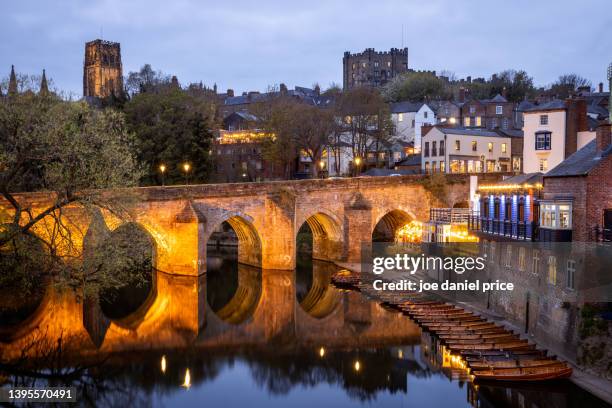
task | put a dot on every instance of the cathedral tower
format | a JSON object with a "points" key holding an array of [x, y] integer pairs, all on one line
{"points": [[102, 70]]}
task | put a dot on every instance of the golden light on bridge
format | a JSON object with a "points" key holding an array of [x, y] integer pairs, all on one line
{"points": [[163, 364], [411, 232], [357, 365], [162, 168], [186, 167], [187, 383], [322, 352]]}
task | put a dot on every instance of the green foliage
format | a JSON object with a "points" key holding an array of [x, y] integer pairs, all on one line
{"points": [[172, 128], [516, 84], [416, 86]]}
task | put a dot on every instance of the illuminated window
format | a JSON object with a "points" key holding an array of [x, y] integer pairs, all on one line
{"points": [[536, 261], [426, 167], [375, 64], [490, 147], [556, 215], [442, 167], [466, 122], [504, 148], [434, 166], [543, 165], [474, 145], [478, 121], [457, 145], [499, 110], [400, 117], [516, 164]]}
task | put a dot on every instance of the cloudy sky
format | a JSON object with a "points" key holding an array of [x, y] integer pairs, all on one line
{"points": [[248, 45]]}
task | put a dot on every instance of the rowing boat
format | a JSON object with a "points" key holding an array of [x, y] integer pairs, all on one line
{"points": [[525, 374]]}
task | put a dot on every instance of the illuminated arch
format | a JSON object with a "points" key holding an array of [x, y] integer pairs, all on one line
{"points": [[249, 243], [326, 236], [388, 223]]}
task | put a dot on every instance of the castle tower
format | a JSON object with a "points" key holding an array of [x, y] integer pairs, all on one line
{"points": [[12, 87], [373, 68], [102, 70]]}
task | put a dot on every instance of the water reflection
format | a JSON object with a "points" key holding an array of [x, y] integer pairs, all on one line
{"points": [[303, 342]]}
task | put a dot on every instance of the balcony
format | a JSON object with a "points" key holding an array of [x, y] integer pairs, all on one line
{"points": [[520, 230]]}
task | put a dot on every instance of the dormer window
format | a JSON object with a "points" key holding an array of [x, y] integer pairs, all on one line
{"points": [[499, 110]]}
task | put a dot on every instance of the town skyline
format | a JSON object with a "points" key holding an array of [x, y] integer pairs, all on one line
{"points": [[251, 49]]}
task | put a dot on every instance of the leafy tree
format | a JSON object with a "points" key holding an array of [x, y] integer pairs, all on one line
{"points": [[416, 86], [516, 84], [146, 80], [172, 128]]}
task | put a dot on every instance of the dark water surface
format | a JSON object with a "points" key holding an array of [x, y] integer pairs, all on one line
{"points": [[266, 339]]}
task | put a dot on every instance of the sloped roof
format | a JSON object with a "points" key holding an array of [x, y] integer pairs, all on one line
{"points": [[524, 106], [581, 162], [411, 160], [468, 132], [498, 98], [527, 178], [555, 104], [597, 110], [406, 106]]}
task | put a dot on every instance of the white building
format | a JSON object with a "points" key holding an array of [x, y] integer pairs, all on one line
{"points": [[553, 131], [408, 117], [460, 150]]}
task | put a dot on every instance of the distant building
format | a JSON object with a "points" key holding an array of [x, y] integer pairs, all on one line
{"points": [[448, 113], [553, 131], [408, 118], [494, 113], [372, 68], [102, 69]]}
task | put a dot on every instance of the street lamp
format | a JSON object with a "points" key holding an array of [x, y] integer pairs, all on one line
{"points": [[162, 170], [322, 166], [186, 169], [357, 163]]}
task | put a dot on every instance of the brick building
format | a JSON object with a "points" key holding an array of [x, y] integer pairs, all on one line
{"points": [[102, 69], [372, 68]]}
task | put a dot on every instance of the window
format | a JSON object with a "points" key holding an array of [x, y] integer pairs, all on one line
{"points": [[543, 119], [542, 140], [363, 64], [434, 149], [478, 121], [400, 117], [556, 215], [426, 150], [509, 256], [425, 114], [474, 145], [490, 147], [516, 164], [413, 123], [442, 152], [466, 122], [571, 274], [505, 123], [499, 110], [434, 166], [504, 148], [388, 63], [442, 166], [426, 167], [552, 270], [543, 165], [457, 145], [472, 109], [490, 166], [375, 64]]}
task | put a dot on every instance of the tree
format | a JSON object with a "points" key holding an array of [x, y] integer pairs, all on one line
{"points": [[567, 85], [172, 128], [365, 119], [416, 86], [515, 84], [70, 151], [146, 80]]}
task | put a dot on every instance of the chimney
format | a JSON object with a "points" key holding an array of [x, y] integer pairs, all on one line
{"points": [[317, 90], [602, 136], [230, 93], [575, 121], [600, 87], [462, 94]]}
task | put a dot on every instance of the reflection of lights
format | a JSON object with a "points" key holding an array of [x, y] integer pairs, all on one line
{"points": [[187, 383], [357, 365], [410, 232], [321, 352], [163, 364]]}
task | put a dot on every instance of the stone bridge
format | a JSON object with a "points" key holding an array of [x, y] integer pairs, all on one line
{"points": [[342, 214]]}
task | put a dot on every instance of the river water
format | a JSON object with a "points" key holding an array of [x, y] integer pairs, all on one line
{"points": [[263, 339]]}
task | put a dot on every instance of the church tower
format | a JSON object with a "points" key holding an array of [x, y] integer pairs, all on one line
{"points": [[102, 70]]}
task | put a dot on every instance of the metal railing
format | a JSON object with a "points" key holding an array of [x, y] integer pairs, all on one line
{"points": [[449, 215], [522, 230]]}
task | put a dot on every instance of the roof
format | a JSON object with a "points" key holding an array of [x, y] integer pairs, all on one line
{"points": [[527, 178], [524, 106], [468, 132], [244, 115], [498, 98], [581, 162], [510, 132], [597, 110], [411, 160], [555, 104], [406, 106]]}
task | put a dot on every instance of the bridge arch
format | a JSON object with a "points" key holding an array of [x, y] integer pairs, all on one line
{"points": [[314, 291], [327, 234], [388, 221], [249, 242]]}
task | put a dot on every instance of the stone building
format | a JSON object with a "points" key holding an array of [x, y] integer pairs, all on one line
{"points": [[102, 69], [372, 68]]}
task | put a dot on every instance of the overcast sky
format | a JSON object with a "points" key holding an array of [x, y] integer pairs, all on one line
{"points": [[248, 45]]}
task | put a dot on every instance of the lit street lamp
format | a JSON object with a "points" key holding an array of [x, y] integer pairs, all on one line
{"points": [[358, 163], [162, 170], [186, 169], [322, 166]]}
